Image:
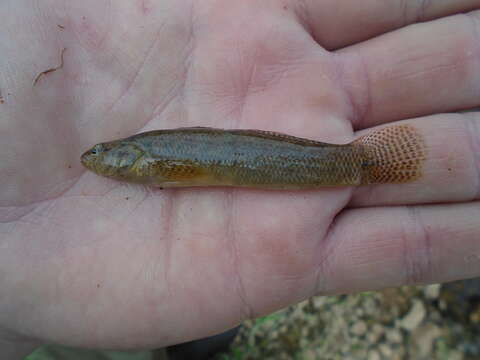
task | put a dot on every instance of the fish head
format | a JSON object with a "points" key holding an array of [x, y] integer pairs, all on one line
{"points": [[114, 159]]}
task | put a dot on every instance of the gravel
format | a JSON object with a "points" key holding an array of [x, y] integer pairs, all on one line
{"points": [[412, 322]]}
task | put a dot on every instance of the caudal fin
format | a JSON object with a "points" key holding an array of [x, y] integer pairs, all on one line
{"points": [[395, 154]]}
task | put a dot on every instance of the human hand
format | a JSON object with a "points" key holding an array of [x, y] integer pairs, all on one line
{"points": [[88, 261]]}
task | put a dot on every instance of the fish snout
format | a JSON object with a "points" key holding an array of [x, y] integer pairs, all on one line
{"points": [[89, 158]]}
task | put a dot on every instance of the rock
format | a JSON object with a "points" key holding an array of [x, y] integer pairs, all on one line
{"points": [[320, 301], [414, 317], [376, 333], [386, 350], [397, 356], [373, 355], [394, 336], [424, 338], [455, 355], [432, 292], [310, 354], [359, 328], [359, 353]]}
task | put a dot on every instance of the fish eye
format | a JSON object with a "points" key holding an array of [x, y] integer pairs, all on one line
{"points": [[95, 150]]}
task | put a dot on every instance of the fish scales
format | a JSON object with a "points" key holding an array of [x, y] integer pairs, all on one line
{"points": [[255, 158]]}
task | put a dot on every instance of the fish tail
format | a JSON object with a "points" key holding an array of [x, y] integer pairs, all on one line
{"points": [[394, 154]]}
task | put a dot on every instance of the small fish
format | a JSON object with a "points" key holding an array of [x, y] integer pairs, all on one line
{"points": [[259, 159]]}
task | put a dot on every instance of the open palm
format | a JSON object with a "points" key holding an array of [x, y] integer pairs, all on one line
{"points": [[93, 262]]}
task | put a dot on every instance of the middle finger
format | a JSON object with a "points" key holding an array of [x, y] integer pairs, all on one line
{"points": [[418, 70]]}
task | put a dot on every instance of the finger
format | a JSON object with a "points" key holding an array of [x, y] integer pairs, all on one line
{"points": [[335, 24], [382, 247], [451, 171], [419, 70]]}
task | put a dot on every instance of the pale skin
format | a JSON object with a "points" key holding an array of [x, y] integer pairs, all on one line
{"points": [[88, 261]]}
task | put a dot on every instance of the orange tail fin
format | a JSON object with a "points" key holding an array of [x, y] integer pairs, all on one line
{"points": [[395, 154]]}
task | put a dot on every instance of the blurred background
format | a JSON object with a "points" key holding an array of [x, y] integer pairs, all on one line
{"points": [[411, 322]]}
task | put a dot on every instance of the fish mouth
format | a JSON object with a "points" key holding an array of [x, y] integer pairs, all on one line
{"points": [[88, 159]]}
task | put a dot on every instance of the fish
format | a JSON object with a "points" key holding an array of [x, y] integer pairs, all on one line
{"points": [[203, 156]]}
